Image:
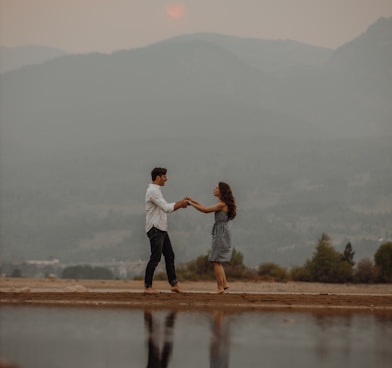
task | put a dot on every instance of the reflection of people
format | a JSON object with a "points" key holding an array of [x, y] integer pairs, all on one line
{"points": [[225, 210], [219, 348], [156, 357], [156, 229]]}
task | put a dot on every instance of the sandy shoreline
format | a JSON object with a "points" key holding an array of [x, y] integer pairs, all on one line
{"points": [[240, 296]]}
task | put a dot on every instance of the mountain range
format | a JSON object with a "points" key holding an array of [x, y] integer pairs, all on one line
{"points": [[276, 118], [12, 58]]}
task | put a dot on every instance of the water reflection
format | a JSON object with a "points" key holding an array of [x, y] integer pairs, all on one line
{"points": [[353, 335], [159, 339], [329, 326], [54, 337], [219, 347], [157, 357]]}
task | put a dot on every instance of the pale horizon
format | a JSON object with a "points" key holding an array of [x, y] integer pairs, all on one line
{"points": [[99, 26]]}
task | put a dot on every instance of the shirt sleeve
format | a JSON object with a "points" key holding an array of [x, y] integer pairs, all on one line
{"points": [[157, 198]]}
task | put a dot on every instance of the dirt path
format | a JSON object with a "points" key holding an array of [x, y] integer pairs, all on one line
{"points": [[241, 295]]}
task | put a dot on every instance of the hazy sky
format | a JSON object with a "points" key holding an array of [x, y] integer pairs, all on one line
{"points": [[108, 25]]}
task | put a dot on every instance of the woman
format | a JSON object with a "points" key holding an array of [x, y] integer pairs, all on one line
{"points": [[225, 210]]}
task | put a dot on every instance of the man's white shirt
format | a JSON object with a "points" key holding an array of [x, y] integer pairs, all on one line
{"points": [[157, 208]]}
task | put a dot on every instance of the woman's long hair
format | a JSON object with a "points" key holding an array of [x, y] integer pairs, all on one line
{"points": [[226, 195]]}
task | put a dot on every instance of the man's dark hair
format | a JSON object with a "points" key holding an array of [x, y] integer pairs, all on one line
{"points": [[158, 171]]}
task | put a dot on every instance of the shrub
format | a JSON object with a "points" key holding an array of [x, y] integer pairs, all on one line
{"points": [[301, 273], [198, 269], [87, 272], [236, 269], [272, 272], [16, 272], [366, 271], [201, 269]]}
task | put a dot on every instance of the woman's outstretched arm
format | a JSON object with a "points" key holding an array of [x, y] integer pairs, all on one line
{"points": [[217, 207]]}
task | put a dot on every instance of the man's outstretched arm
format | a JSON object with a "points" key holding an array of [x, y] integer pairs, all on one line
{"points": [[183, 203]]}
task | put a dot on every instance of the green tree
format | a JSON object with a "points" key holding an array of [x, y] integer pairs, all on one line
{"points": [[383, 260], [324, 260], [348, 254], [327, 264]]}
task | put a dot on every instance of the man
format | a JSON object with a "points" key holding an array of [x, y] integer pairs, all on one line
{"points": [[156, 228]]}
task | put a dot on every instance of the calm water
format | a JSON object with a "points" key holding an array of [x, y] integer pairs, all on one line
{"points": [[50, 337]]}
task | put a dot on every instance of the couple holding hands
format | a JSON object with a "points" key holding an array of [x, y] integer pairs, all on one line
{"points": [[156, 228]]}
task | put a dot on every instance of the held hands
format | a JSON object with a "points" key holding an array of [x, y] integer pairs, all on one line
{"points": [[191, 201], [184, 202]]}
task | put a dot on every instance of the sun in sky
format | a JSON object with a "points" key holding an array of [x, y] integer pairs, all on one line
{"points": [[175, 10]]}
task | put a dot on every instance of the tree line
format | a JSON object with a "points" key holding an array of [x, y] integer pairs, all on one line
{"points": [[327, 265]]}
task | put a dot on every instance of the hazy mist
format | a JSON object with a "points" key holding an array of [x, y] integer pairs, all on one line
{"points": [[302, 134]]}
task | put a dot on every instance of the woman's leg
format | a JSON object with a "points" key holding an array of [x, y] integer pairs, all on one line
{"points": [[219, 276], [224, 277]]}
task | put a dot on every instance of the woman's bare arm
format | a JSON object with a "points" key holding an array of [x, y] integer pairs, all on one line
{"points": [[217, 207]]}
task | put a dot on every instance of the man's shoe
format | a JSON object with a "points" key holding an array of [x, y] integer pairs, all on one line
{"points": [[176, 289], [151, 290]]}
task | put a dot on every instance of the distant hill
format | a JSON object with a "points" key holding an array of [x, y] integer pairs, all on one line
{"points": [[370, 52], [194, 84], [189, 88], [302, 133], [266, 55], [363, 68], [12, 58]]}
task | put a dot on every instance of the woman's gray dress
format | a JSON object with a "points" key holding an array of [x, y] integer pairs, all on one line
{"points": [[221, 239]]}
